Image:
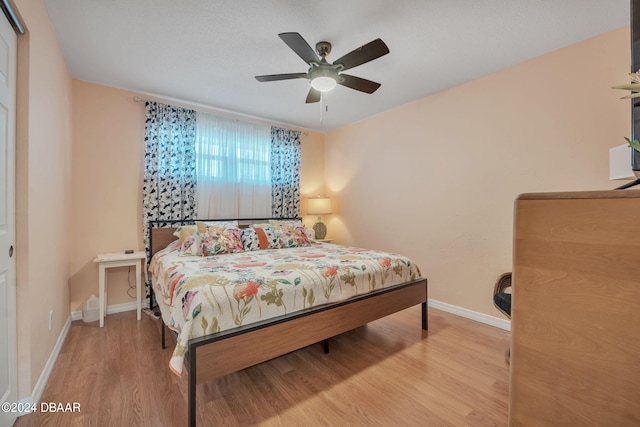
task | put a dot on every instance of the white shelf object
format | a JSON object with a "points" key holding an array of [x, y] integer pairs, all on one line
{"points": [[620, 163], [119, 259]]}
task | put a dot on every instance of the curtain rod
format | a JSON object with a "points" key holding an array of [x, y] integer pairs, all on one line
{"points": [[136, 98]]}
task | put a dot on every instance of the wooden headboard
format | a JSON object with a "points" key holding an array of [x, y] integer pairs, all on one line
{"points": [[161, 232], [161, 237]]}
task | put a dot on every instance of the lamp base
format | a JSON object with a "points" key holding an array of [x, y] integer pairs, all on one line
{"points": [[320, 229]]}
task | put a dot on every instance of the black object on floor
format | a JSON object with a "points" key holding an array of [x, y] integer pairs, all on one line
{"points": [[503, 301]]}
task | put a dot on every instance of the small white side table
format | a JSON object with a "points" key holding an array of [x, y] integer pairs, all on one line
{"points": [[119, 259]]}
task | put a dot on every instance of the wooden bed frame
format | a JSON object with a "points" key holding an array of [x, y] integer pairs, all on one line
{"points": [[222, 353]]}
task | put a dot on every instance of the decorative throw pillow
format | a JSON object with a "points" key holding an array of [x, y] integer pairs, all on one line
{"points": [[256, 238], [219, 238], [190, 243], [277, 223], [190, 239], [291, 233], [263, 225], [311, 233]]}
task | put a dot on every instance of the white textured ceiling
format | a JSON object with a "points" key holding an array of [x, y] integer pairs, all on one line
{"points": [[208, 51]]}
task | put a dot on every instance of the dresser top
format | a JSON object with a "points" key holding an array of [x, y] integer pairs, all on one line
{"points": [[609, 194]]}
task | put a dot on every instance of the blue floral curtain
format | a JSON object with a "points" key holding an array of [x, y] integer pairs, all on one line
{"points": [[285, 173], [169, 189]]}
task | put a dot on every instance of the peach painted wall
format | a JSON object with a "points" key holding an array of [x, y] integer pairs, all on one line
{"points": [[312, 173], [436, 179], [108, 160], [108, 133], [43, 172]]}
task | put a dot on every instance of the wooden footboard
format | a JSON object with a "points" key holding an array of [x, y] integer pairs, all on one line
{"points": [[226, 352]]}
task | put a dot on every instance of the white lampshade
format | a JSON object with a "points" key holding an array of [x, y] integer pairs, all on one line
{"points": [[323, 83], [620, 163], [319, 206]]}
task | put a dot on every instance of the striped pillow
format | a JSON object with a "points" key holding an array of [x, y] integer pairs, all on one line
{"points": [[256, 238]]}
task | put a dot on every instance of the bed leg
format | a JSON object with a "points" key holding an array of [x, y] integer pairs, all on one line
{"points": [[192, 388], [164, 345], [150, 296], [325, 344], [425, 319]]}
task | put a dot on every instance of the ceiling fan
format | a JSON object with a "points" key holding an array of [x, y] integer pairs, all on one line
{"points": [[325, 76]]}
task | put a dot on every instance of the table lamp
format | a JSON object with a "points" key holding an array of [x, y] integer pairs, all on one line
{"points": [[319, 206]]}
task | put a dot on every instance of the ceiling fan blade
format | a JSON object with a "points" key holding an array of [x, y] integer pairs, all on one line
{"points": [[275, 77], [363, 54], [358, 83], [313, 96], [300, 46]]}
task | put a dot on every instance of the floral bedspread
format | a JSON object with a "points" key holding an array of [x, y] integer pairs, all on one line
{"points": [[203, 295]]}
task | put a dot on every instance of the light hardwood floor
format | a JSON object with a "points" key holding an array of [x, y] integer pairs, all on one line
{"points": [[389, 372]]}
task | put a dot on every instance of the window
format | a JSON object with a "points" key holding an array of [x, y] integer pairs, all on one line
{"points": [[233, 168], [229, 156]]}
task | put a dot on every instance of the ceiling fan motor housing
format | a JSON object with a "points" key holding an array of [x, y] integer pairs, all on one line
{"points": [[323, 70], [323, 48]]}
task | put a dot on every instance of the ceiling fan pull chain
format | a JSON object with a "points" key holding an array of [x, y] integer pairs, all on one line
{"points": [[326, 103], [324, 107]]}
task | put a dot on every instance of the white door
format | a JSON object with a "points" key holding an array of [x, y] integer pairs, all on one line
{"points": [[8, 363]]}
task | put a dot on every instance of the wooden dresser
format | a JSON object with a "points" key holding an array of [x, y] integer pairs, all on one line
{"points": [[575, 318]]}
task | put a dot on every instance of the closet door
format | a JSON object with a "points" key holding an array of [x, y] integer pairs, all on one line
{"points": [[8, 363]]}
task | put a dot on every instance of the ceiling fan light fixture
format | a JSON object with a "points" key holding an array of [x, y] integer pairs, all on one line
{"points": [[324, 76], [323, 83]]}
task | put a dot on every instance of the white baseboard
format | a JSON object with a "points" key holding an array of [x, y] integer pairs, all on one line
{"points": [[113, 309], [469, 314], [36, 394]]}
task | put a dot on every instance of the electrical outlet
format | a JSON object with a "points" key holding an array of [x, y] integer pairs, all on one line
{"points": [[51, 320]]}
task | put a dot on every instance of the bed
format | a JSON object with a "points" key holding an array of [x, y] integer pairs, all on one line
{"points": [[233, 310]]}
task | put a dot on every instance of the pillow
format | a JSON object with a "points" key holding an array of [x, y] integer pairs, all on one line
{"points": [[311, 233], [233, 223], [261, 225], [190, 239], [277, 223], [256, 238], [291, 233], [190, 243], [219, 238]]}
